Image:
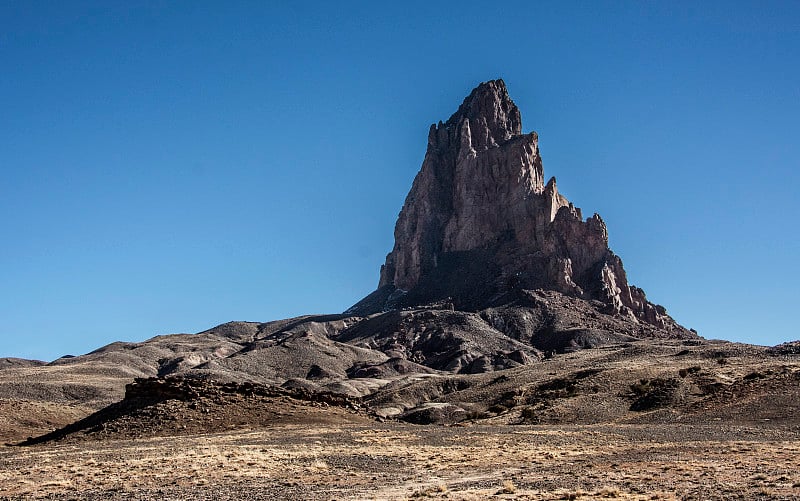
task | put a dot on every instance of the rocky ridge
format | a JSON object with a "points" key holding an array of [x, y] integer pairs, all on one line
{"points": [[179, 405], [634, 382]]}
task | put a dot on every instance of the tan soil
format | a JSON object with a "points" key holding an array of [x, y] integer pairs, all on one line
{"points": [[716, 421], [392, 461]]}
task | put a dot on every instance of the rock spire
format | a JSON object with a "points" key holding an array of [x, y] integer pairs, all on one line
{"points": [[480, 224]]}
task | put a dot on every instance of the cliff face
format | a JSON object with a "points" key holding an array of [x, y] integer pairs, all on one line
{"points": [[480, 224]]}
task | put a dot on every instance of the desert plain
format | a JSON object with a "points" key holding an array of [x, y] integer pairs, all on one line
{"points": [[740, 440]]}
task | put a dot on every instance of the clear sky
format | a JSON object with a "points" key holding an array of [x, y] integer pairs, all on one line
{"points": [[169, 166]]}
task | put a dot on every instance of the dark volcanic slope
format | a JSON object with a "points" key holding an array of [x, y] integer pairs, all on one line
{"points": [[639, 382], [180, 406]]}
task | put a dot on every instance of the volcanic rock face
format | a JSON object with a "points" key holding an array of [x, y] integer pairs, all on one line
{"points": [[480, 225]]}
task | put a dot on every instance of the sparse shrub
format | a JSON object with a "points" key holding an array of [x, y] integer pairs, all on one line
{"points": [[474, 415], [498, 409], [529, 414], [609, 492], [688, 370], [319, 465], [557, 388], [653, 393], [511, 398], [642, 387], [508, 487], [430, 491], [508, 403]]}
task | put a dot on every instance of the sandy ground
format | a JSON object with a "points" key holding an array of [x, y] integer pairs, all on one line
{"points": [[391, 461]]}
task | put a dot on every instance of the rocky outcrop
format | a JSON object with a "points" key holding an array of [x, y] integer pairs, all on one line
{"points": [[480, 224], [178, 405]]}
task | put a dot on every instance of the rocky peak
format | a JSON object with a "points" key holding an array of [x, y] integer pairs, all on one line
{"points": [[480, 225], [487, 118]]}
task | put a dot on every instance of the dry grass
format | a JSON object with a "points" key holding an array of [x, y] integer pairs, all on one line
{"points": [[717, 450], [508, 487], [400, 462]]}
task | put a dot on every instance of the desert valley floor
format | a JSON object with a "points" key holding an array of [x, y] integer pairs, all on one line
{"points": [[393, 461], [712, 430]]}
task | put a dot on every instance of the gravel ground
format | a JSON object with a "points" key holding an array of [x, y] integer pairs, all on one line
{"points": [[393, 461]]}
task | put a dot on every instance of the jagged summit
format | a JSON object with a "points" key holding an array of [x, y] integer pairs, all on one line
{"points": [[492, 113], [480, 225]]}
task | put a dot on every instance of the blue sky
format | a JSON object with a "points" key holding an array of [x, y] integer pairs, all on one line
{"points": [[169, 166]]}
